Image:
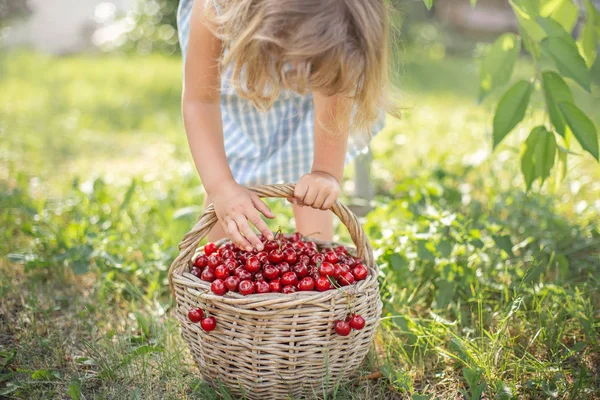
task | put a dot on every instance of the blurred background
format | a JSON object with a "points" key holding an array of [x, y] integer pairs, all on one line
{"points": [[486, 285]]}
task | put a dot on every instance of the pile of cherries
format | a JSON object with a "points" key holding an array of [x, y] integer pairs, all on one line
{"points": [[286, 265], [206, 323]]}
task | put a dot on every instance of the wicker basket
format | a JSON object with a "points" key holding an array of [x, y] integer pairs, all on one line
{"points": [[276, 346]]}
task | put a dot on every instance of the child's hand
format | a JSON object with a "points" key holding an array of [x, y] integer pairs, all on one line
{"points": [[317, 190], [235, 206]]}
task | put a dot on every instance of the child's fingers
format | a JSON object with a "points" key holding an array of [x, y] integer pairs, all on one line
{"points": [[236, 237], [246, 230], [311, 196], [300, 191], [261, 226], [262, 207], [320, 200], [329, 201]]}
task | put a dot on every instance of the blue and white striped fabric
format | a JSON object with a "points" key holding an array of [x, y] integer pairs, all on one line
{"points": [[275, 146]]}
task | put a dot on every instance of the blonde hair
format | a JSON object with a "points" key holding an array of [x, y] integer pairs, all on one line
{"points": [[329, 46]]}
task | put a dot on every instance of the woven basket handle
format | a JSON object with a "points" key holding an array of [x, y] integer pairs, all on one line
{"points": [[208, 219]]}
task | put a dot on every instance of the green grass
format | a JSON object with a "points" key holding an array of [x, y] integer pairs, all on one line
{"points": [[485, 287]]}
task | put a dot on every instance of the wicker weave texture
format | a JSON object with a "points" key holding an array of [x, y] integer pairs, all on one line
{"points": [[276, 346]]}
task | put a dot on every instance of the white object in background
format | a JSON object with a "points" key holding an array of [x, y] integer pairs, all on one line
{"points": [[62, 26]]}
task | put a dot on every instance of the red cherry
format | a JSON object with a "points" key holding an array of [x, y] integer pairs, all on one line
{"points": [[317, 259], [346, 279], [197, 272], [283, 268], [246, 287], [210, 248], [323, 284], [288, 289], [253, 264], [214, 260], [208, 275], [201, 261], [360, 272], [290, 256], [261, 287], [271, 245], [259, 276], [296, 237], [342, 328], [311, 245], [339, 269], [275, 285], [340, 250], [314, 272], [299, 246], [303, 258], [264, 259], [243, 273], [332, 257], [226, 254], [222, 272], [276, 256], [231, 265], [306, 284], [232, 282], [208, 324], [218, 287], [243, 256], [351, 261], [289, 278], [195, 315], [310, 252], [356, 321], [270, 271], [301, 270], [326, 269], [287, 246]]}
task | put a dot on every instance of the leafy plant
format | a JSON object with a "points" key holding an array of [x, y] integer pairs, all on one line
{"points": [[545, 28]]}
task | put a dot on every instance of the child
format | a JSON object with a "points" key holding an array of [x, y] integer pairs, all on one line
{"points": [[270, 90]]}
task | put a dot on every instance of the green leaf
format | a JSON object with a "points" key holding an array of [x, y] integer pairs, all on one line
{"points": [[498, 64], [45, 374], [569, 62], [582, 127], [473, 3], [565, 12], [587, 43], [556, 91], [74, 390], [398, 262], [526, 12], [511, 109], [428, 4], [562, 49], [504, 243], [537, 156]]}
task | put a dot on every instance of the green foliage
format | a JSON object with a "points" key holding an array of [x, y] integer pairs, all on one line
{"points": [[537, 156], [498, 65], [545, 27], [511, 109]]}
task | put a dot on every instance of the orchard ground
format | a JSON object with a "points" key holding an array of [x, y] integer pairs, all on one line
{"points": [[486, 289]]}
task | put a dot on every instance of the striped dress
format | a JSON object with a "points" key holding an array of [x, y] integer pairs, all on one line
{"points": [[274, 146]]}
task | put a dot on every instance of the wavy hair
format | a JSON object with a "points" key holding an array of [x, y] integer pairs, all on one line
{"points": [[335, 47]]}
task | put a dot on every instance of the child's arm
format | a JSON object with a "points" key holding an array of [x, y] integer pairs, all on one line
{"points": [[234, 205], [321, 187]]}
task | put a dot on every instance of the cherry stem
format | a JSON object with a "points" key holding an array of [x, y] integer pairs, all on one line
{"points": [[312, 233], [279, 235]]}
